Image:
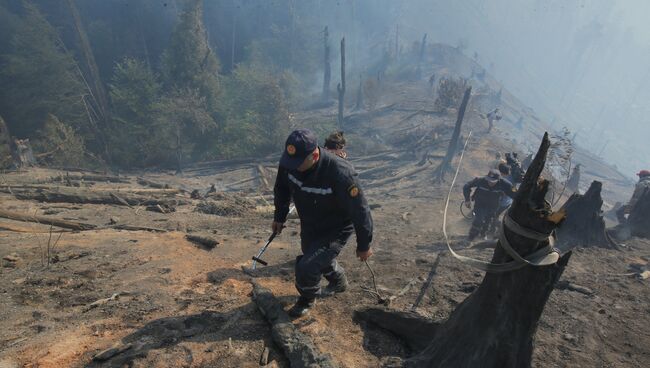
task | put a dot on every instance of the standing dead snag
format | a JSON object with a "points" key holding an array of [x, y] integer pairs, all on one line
{"points": [[584, 225], [327, 73], [341, 86], [495, 325], [423, 46], [453, 143]]}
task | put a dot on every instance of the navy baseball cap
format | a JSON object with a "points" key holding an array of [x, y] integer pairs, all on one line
{"points": [[299, 145]]}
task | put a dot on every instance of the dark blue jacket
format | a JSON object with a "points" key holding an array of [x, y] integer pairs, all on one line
{"points": [[486, 196], [328, 198]]}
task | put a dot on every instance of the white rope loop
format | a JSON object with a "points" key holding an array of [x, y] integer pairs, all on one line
{"points": [[542, 257]]}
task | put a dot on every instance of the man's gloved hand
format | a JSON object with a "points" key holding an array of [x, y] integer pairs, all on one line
{"points": [[468, 204], [277, 227], [363, 256]]}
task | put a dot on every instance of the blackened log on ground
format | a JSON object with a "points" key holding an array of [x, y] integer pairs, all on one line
{"points": [[86, 177], [297, 347], [639, 219], [203, 242], [495, 325], [94, 197], [45, 220], [584, 225], [148, 183]]}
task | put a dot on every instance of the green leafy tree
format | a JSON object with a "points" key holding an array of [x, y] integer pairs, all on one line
{"points": [[258, 119], [181, 119], [189, 62], [60, 144], [134, 92], [40, 77]]}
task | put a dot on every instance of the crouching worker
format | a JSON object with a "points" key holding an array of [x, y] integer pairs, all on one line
{"points": [[639, 189], [331, 205], [335, 143], [487, 198]]}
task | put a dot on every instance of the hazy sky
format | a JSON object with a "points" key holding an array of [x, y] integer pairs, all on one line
{"points": [[584, 64]]}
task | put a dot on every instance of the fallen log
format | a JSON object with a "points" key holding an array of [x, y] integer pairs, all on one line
{"points": [[399, 176], [86, 177], [79, 226], [6, 188], [297, 347], [497, 322], [148, 183], [93, 197], [137, 228], [264, 182]]}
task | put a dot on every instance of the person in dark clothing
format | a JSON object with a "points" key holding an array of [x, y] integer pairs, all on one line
{"points": [[504, 201], [639, 190], [516, 172], [487, 197], [331, 206]]}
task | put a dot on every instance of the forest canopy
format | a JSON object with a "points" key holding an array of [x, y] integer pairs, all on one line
{"points": [[154, 83]]}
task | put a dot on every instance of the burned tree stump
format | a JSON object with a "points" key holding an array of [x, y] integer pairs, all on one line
{"points": [[584, 225], [495, 325], [639, 219]]}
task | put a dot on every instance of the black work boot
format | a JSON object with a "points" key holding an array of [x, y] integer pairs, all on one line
{"points": [[336, 286], [301, 307]]}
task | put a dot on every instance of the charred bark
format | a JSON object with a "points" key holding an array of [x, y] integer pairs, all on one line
{"points": [[445, 166], [94, 197], [327, 68], [298, 348], [495, 325], [6, 154], [584, 225], [423, 46], [340, 88]]}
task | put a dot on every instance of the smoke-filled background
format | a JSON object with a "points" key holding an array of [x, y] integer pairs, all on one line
{"points": [[147, 83]]}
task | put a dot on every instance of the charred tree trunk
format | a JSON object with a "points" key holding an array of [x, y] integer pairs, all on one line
{"points": [[584, 226], [423, 46], [359, 104], [6, 154], [453, 143], [639, 219], [341, 86], [495, 325], [327, 67]]}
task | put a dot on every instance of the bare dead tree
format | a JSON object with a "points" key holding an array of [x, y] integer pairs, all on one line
{"points": [[359, 104], [341, 86], [327, 68], [423, 46], [445, 166], [497, 322]]}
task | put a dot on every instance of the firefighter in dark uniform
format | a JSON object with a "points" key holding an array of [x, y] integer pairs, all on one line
{"points": [[487, 197], [331, 206]]}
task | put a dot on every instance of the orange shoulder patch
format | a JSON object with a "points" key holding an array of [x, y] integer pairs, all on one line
{"points": [[354, 191]]}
